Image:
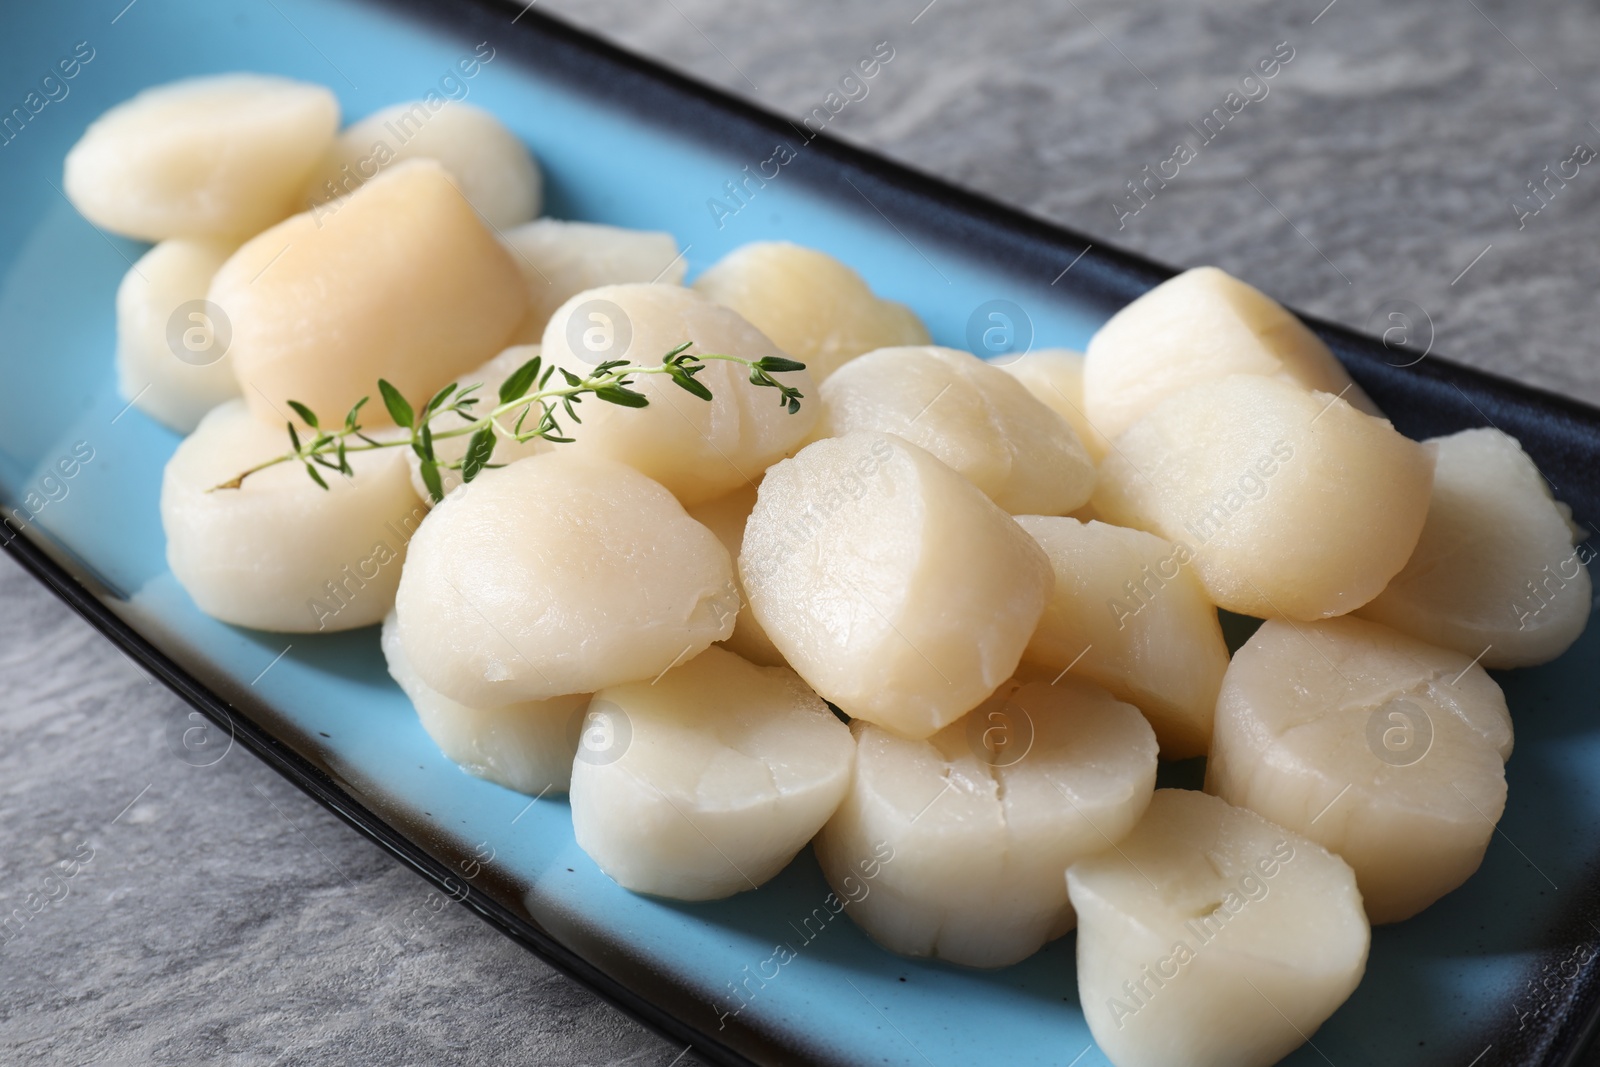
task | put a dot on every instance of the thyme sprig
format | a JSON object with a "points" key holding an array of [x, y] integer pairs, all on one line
{"points": [[527, 407]]}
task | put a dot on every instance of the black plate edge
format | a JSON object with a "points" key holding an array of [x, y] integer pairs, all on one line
{"points": [[1114, 276]]}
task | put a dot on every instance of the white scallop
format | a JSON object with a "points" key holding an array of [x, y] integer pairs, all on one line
{"points": [[401, 282], [981, 820], [1295, 504], [1211, 938], [1129, 614], [1055, 378], [973, 416], [1386, 750], [559, 574], [280, 553], [892, 585], [1495, 572], [699, 449], [726, 517], [494, 170], [561, 259], [812, 306], [718, 773], [526, 746], [174, 383], [1202, 325], [218, 156]]}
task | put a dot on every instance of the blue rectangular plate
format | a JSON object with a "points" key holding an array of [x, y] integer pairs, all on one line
{"points": [[1504, 969]]}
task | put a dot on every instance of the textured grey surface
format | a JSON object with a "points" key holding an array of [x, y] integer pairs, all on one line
{"points": [[1392, 143], [225, 917]]}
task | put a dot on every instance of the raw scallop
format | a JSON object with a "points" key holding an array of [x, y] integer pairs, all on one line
{"points": [[1295, 504], [1055, 378], [892, 585], [1495, 572], [402, 282], [561, 259], [559, 574], [812, 306], [493, 169], [1211, 938], [726, 517], [172, 350], [282, 553], [720, 773], [697, 448], [973, 416], [219, 156], [983, 818], [1198, 327], [1383, 749], [526, 746], [1129, 614]]}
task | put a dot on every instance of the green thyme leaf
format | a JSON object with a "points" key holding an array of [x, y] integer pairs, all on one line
{"points": [[616, 394], [438, 398], [350, 419], [479, 449], [399, 410], [779, 364], [516, 386], [688, 384], [430, 478], [305, 414]]}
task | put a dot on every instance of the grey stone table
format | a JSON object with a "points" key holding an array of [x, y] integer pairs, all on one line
{"points": [[224, 917]]}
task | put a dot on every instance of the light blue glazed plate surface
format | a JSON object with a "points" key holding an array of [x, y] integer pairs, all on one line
{"points": [[1439, 988]]}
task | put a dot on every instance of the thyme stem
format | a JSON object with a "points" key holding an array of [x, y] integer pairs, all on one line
{"points": [[526, 393]]}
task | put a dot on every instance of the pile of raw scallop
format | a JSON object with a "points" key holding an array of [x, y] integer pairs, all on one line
{"points": [[940, 624]]}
